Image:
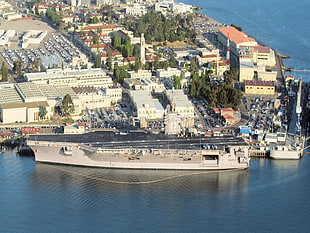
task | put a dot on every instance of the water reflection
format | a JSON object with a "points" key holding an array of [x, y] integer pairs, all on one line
{"points": [[97, 178], [285, 164]]}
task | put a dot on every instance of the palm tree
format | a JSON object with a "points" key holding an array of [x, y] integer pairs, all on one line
{"points": [[42, 112], [67, 104]]}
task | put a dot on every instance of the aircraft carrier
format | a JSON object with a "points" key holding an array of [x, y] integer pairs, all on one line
{"points": [[141, 150]]}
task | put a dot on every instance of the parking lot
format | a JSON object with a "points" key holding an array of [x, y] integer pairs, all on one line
{"points": [[266, 114], [56, 52], [117, 117]]}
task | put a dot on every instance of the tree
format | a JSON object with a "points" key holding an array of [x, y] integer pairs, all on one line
{"points": [[177, 82], [36, 10], [120, 74], [17, 67], [172, 62], [95, 39], [193, 66], [4, 72], [82, 34], [138, 64], [116, 41], [98, 60], [36, 65], [109, 61], [42, 112], [67, 104]]}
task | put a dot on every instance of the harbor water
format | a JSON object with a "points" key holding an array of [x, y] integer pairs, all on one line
{"points": [[271, 196]]}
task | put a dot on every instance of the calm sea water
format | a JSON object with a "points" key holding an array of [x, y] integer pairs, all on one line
{"points": [[271, 196]]}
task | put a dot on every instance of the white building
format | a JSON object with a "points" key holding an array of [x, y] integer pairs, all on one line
{"points": [[175, 7], [145, 107], [114, 94], [180, 103], [22, 112], [248, 70], [33, 37], [179, 7], [5, 37], [140, 74], [136, 9], [92, 77], [149, 84], [168, 73]]}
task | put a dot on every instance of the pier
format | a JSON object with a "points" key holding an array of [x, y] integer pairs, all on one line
{"points": [[259, 154]]}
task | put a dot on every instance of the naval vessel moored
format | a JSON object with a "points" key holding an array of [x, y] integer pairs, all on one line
{"points": [[141, 151]]}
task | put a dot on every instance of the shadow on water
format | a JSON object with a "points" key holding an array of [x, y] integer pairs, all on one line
{"points": [[98, 178]]}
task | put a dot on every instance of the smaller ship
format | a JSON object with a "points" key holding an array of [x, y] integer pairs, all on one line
{"points": [[294, 143], [286, 152]]}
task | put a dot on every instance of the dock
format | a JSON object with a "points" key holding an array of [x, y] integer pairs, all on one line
{"points": [[258, 154]]}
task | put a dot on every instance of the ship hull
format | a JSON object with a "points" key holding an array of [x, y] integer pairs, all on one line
{"points": [[82, 155], [277, 154]]}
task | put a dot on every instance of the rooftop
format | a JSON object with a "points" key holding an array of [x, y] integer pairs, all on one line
{"points": [[235, 35]]}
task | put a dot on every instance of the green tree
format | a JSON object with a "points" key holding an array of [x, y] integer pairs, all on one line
{"points": [[138, 64], [42, 112], [109, 61], [36, 10], [95, 39], [17, 67], [4, 72], [172, 62], [119, 74], [116, 41], [177, 82], [193, 66], [98, 60], [67, 104], [82, 34]]}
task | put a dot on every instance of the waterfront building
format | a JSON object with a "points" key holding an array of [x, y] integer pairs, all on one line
{"points": [[145, 106], [92, 77], [259, 87], [113, 93], [259, 54], [27, 97], [249, 70], [23, 112], [246, 69], [175, 7], [236, 39]]}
